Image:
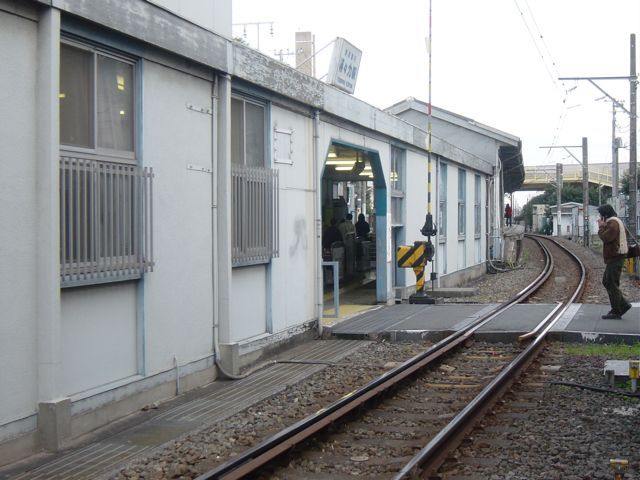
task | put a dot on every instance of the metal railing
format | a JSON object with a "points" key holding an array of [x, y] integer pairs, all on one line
{"points": [[106, 220], [255, 199]]}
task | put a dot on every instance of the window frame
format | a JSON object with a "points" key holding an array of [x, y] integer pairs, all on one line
{"points": [[266, 107], [119, 248], [246, 238], [397, 164], [96, 152]]}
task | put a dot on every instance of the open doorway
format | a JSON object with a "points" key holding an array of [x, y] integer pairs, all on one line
{"points": [[354, 218]]}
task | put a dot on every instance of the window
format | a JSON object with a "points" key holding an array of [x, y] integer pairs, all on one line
{"points": [[477, 211], [442, 202], [254, 186], [96, 101], [396, 182], [105, 198], [462, 198]]}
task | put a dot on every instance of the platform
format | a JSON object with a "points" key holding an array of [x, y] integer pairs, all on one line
{"points": [[580, 322], [112, 447]]}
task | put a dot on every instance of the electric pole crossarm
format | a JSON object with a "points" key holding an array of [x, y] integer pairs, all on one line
{"points": [[592, 82], [615, 102], [566, 148]]}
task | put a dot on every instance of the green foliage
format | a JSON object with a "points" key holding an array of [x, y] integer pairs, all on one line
{"points": [[570, 193], [616, 351], [626, 180]]}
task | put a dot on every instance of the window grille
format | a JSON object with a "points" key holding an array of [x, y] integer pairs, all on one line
{"points": [[254, 214], [442, 202], [462, 199], [106, 219], [477, 211]]}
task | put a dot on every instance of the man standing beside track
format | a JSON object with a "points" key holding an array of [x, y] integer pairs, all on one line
{"points": [[614, 252]]}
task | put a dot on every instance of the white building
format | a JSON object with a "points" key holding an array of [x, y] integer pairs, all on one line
{"points": [[572, 220], [163, 191]]}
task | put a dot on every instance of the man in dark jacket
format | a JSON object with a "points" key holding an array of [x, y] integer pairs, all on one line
{"points": [[614, 251]]}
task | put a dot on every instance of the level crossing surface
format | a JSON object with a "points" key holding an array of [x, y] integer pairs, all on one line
{"points": [[580, 322]]}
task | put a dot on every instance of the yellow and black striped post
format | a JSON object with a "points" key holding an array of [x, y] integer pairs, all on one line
{"points": [[414, 256]]}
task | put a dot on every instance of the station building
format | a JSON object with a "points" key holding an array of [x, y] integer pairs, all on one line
{"points": [[164, 193]]}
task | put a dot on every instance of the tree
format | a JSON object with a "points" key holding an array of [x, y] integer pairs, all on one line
{"points": [[626, 180], [570, 193]]}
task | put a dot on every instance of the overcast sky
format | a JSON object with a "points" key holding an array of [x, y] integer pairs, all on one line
{"points": [[495, 61]]}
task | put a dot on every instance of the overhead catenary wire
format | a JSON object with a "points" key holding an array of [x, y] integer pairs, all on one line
{"points": [[550, 66], [535, 43]]}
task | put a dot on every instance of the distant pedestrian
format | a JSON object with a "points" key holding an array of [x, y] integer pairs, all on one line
{"points": [[614, 252], [508, 213]]}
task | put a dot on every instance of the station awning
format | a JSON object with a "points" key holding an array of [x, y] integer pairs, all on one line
{"points": [[512, 167]]}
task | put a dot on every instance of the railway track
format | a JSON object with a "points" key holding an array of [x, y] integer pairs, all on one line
{"points": [[418, 412]]}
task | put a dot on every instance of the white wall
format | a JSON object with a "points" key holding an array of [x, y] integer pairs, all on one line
{"points": [[178, 294], [416, 204], [213, 15], [98, 338], [18, 60], [249, 303], [293, 272]]}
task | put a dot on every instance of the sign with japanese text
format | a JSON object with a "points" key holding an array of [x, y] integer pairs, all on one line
{"points": [[345, 63]]}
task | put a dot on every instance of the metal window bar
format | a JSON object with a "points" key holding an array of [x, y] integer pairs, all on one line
{"points": [[106, 221], [255, 215]]}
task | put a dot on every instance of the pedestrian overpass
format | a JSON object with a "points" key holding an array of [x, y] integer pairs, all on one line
{"points": [[537, 177]]}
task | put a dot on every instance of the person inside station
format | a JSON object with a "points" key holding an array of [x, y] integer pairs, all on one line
{"points": [[508, 213], [347, 227], [348, 232], [331, 235], [362, 228]]}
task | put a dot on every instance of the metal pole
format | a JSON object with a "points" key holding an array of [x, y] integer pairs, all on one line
{"points": [[614, 157], [559, 197], [633, 176], [585, 190]]}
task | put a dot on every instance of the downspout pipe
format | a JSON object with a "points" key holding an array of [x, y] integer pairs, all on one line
{"points": [[317, 204], [221, 210]]}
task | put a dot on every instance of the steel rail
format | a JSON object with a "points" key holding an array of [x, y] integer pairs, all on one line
{"points": [[272, 447], [429, 459]]}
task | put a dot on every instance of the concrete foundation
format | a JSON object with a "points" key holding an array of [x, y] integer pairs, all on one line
{"points": [[54, 423]]}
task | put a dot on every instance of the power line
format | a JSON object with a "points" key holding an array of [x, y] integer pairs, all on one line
{"points": [[535, 43]]}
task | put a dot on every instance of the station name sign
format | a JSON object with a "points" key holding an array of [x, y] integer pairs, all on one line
{"points": [[345, 63]]}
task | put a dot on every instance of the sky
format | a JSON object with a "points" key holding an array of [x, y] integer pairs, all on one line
{"points": [[495, 61]]}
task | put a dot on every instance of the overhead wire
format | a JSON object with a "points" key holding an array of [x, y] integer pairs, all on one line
{"points": [[550, 66]]}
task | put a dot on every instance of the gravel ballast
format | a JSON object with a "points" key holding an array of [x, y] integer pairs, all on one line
{"points": [[570, 434]]}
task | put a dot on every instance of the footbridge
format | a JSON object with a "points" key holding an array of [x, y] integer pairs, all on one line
{"points": [[537, 177]]}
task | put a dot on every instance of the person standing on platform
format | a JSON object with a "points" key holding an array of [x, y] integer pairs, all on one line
{"points": [[508, 213], [362, 228], [614, 252]]}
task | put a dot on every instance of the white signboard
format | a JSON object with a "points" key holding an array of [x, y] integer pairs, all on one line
{"points": [[345, 63]]}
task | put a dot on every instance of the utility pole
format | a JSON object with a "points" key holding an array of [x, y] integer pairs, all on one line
{"points": [[559, 197], [585, 190], [254, 24], [633, 159], [585, 182], [614, 155], [633, 87]]}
